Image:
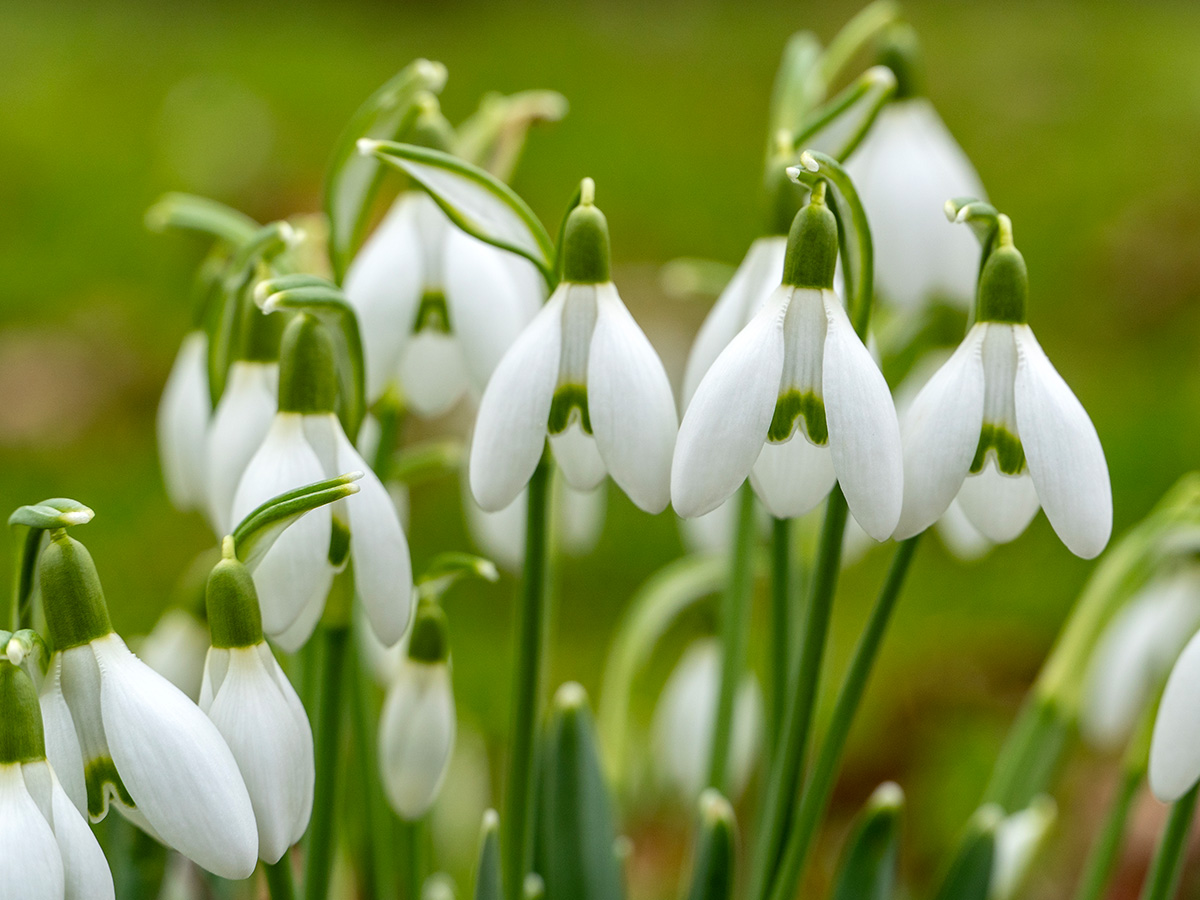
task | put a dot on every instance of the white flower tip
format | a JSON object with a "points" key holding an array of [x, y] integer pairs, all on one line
{"points": [[880, 76], [486, 569], [354, 476], [367, 146], [888, 795], [587, 192], [15, 651], [491, 820], [78, 516], [809, 161], [290, 234], [714, 807], [433, 73], [570, 696], [952, 212]]}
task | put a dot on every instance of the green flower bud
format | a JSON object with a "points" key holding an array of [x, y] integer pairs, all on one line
{"points": [[72, 597], [234, 619], [429, 642], [1004, 282], [431, 129], [587, 258], [22, 738], [900, 51], [307, 367], [812, 248]]}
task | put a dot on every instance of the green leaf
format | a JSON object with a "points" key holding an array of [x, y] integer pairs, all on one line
{"points": [[476, 201], [494, 136], [57, 512], [188, 212], [868, 866], [715, 850], [840, 125], [489, 884], [254, 535], [798, 85], [353, 179], [969, 876], [578, 834]]}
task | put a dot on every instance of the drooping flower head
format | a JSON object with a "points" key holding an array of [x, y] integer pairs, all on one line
{"points": [[182, 423]]}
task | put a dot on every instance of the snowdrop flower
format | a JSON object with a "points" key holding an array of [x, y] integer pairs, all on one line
{"points": [[905, 169], [1134, 654], [182, 422], [241, 421], [175, 648], [583, 373], [1175, 744], [416, 728], [795, 401], [255, 708], [119, 733], [998, 427], [305, 444], [1019, 837], [47, 851], [683, 724]]}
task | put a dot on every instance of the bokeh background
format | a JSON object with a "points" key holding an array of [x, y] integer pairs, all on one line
{"points": [[1083, 120]]}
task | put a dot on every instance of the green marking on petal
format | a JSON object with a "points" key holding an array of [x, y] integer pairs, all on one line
{"points": [[567, 399], [433, 314], [103, 783], [339, 543], [1010, 455], [807, 407]]}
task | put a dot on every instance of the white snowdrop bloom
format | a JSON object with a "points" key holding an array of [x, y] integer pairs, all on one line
{"points": [[584, 374], [1175, 745], [1019, 837], [437, 307], [182, 422], [417, 726], [240, 423], [175, 648], [305, 444], [254, 706], [1134, 654], [682, 729], [119, 733], [998, 427], [47, 851], [795, 401]]}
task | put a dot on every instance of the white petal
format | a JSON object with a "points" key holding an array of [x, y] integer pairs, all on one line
{"points": [[1000, 506], [31, 866], [416, 737], [499, 535], [939, 434], [382, 568], [296, 635], [273, 747], [1063, 451], [793, 477], [864, 436], [581, 518], [241, 422], [1175, 746], [383, 284], [749, 289], [62, 743], [630, 404], [183, 421], [433, 372], [961, 538], [296, 569], [726, 423], [578, 458], [85, 869], [510, 430], [175, 764]]}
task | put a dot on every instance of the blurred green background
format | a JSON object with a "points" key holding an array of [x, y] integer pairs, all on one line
{"points": [[1083, 120]]}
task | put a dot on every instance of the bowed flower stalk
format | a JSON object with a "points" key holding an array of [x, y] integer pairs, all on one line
{"points": [[306, 443], [119, 733], [583, 374], [182, 423], [998, 427], [47, 851], [795, 402], [254, 706]]}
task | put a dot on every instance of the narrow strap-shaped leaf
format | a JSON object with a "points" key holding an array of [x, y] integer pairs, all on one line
{"points": [[254, 535], [840, 125], [488, 882], [447, 569], [969, 876], [189, 212], [712, 876], [353, 179], [476, 201], [868, 866], [798, 86]]}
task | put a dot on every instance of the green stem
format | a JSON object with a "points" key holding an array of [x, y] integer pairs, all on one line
{"points": [[327, 730], [22, 602], [820, 785], [1163, 878], [1104, 855], [528, 666], [1031, 753], [787, 758], [735, 630], [378, 838], [780, 624], [854, 36], [280, 883], [409, 834]]}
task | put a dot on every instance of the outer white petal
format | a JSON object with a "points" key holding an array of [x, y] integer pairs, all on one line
{"points": [[726, 423], [1063, 451], [1175, 746], [62, 743], [255, 713], [433, 372], [751, 286], [239, 425], [296, 635], [578, 458], [939, 434], [631, 405], [416, 737], [864, 436], [175, 764], [382, 568], [510, 430], [793, 477], [31, 866], [296, 568], [183, 421], [1000, 506], [499, 535], [383, 284], [85, 869]]}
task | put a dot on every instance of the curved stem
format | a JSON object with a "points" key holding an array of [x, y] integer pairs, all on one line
{"points": [[280, 883], [820, 785], [528, 665], [780, 624], [327, 730], [1163, 878], [735, 629]]}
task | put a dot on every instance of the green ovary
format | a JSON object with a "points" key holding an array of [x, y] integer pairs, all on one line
{"points": [[101, 778], [1010, 455], [793, 405], [567, 399]]}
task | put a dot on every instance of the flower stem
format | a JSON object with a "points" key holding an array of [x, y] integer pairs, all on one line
{"points": [[780, 626], [787, 758], [1103, 858], [735, 628], [528, 666], [380, 863], [410, 834], [280, 884], [327, 729], [820, 785], [1163, 878]]}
